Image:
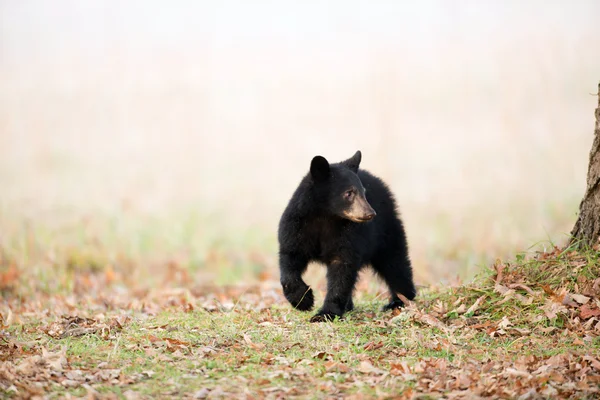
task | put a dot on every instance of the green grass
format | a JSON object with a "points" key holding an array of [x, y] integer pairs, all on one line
{"points": [[175, 326], [246, 341]]}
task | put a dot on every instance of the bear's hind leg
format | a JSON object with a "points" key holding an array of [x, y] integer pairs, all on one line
{"points": [[394, 303], [395, 269]]}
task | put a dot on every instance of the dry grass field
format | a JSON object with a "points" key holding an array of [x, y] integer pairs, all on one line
{"points": [[171, 140]]}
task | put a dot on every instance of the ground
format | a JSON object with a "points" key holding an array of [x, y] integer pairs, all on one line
{"points": [[527, 328]]}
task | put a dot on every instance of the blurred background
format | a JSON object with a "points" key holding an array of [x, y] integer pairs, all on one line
{"points": [[146, 138]]}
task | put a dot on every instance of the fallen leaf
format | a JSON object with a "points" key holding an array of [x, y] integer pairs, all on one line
{"points": [[131, 395], [373, 345], [501, 288], [430, 320], [517, 373], [202, 393], [548, 290], [499, 267], [476, 305], [552, 309], [176, 342], [581, 299], [56, 360], [321, 355], [593, 362], [109, 274], [255, 346], [70, 383], [586, 311], [153, 339], [9, 277], [521, 286], [505, 323], [366, 367], [335, 366]]}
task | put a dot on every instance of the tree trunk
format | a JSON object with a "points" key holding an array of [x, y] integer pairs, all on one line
{"points": [[587, 227]]}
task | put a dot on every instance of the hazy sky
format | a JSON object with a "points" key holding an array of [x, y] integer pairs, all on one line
{"points": [[39, 27]]}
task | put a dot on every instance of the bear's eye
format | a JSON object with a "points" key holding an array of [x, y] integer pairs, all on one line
{"points": [[349, 194]]}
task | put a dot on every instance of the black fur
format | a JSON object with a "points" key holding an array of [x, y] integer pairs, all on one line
{"points": [[345, 218]]}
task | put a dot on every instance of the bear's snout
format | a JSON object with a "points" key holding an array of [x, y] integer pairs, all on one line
{"points": [[370, 216], [361, 211]]}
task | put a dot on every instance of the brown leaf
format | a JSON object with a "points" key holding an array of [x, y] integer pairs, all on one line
{"points": [[586, 311], [552, 309], [109, 274], [399, 368], [476, 305], [6, 322], [69, 383], [255, 346], [548, 290], [30, 365], [366, 367], [430, 320], [505, 323], [264, 275], [9, 277], [484, 325], [176, 342], [581, 299], [373, 345], [335, 366], [153, 339], [593, 362], [321, 355], [521, 286], [79, 331], [499, 267], [501, 288], [106, 374]]}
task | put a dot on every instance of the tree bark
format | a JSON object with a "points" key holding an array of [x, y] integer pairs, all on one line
{"points": [[587, 227]]}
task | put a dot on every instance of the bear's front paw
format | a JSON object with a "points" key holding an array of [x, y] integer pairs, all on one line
{"points": [[301, 298], [324, 317], [393, 305]]}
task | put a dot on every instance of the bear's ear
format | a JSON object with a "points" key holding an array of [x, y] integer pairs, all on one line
{"points": [[319, 168], [353, 162]]}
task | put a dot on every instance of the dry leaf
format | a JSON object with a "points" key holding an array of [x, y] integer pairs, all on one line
{"points": [[593, 362], [373, 345], [476, 305], [581, 299], [552, 309], [255, 346], [321, 355], [366, 367], [521, 286], [501, 288], [505, 323], [586, 311]]}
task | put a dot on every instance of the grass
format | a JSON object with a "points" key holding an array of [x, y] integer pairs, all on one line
{"points": [[519, 319]]}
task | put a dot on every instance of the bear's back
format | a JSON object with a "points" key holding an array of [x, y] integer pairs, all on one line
{"points": [[378, 195]]}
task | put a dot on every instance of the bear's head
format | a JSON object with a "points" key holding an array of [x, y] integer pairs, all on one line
{"points": [[340, 191]]}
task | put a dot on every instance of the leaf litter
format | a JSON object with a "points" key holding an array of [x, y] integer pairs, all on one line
{"points": [[528, 330]]}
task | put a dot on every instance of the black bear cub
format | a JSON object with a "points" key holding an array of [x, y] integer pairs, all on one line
{"points": [[345, 218]]}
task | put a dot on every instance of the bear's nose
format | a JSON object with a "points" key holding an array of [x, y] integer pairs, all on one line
{"points": [[370, 216]]}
